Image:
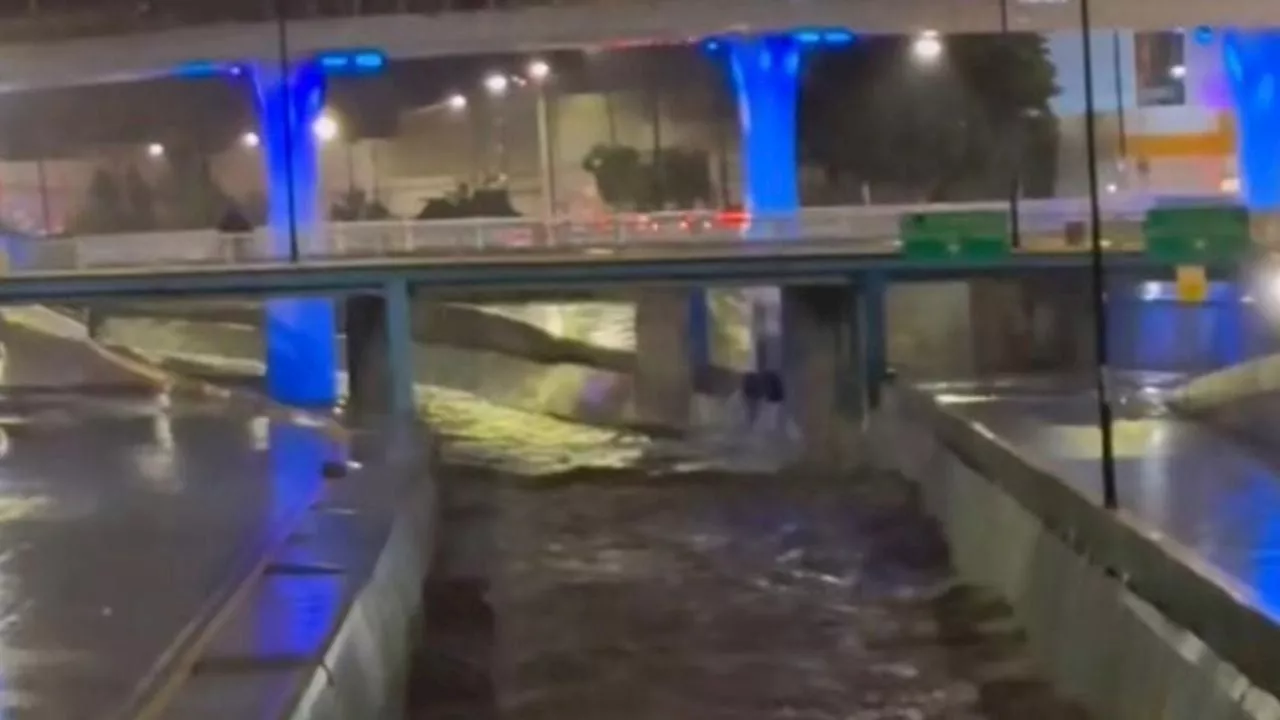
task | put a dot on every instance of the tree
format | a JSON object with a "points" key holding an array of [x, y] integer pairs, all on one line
{"points": [[953, 130], [677, 177], [103, 211], [620, 175], [191, 197], [680, 178], [464, 203], [139, 202]]}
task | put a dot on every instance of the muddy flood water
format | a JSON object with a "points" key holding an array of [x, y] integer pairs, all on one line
{"points": [[616, 595]]}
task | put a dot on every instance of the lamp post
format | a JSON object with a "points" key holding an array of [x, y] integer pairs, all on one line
{"points": [[497, 84], [539, 73]]}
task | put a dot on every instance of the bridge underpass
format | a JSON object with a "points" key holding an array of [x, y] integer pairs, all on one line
{"points": [[207, 677], [620, 536]]}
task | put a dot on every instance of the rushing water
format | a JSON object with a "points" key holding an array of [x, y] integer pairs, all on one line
{"points": [[605, 593]]}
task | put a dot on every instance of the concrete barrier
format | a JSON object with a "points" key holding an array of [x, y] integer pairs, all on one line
{"points": [[366, 666], [1118, 619], [325, 630], [1243, 399]]}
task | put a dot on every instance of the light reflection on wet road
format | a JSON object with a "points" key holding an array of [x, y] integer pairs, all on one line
{"points": [[121, 510], [1198, 488]]}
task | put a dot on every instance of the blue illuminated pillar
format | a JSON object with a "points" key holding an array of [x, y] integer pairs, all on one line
{"points": [[765, 71], [300, 333], [1252, 63]]}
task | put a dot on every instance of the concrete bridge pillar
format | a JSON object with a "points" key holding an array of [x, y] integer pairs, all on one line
{"points": [[300, 332], [664, 373], [379, 348], [1252, 62], [825, 351], [1039, 325], [764, 70]]}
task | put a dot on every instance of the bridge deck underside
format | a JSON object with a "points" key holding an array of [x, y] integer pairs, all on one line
{"points": [[32, 56]]}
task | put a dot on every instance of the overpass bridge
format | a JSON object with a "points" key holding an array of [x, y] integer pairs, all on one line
{"points": [[855, 251], [833, 280], [285, 64], [61, 48]]}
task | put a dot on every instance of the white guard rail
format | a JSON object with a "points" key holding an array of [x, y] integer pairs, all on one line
{"points": [[1046, 224]]}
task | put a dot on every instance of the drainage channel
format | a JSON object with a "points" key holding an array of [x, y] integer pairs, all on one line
{"points": [[612, 593]]}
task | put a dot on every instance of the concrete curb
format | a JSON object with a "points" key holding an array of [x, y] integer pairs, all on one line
{"points": [[325, 628], [365, 669], [1118, 618]]}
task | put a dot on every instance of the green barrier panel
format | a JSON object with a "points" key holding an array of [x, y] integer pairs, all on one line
{"points": [[952, 236], [1197, 235]]}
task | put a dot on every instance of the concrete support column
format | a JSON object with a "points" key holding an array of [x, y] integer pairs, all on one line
{"points": [[823, 370], [765, 73], [664, 372], [1001, 325], [379, 347], [1040, 325], [1252, 62], [300, 332], [875, 338]]}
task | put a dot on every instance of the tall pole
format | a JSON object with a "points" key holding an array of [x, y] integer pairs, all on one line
{"points": [[351, 167], [500, 122], [282, 37], [1119, 79], [1015, 179], [42, 180], [655, 106], [544, 154], [1101, 351]]}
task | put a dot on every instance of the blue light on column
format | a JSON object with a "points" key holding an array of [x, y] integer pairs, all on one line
{"points": [[765, 73], [1252, 63], [351, 62], [300, 332]]}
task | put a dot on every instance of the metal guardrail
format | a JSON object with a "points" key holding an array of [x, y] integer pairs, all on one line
{"points": [[1045, 225]]}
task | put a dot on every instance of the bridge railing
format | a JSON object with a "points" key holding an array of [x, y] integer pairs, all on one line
{"points": [[1045, 225]]}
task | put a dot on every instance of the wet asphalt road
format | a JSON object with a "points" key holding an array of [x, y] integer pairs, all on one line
{"points": [[122, 510], [607, 595]]}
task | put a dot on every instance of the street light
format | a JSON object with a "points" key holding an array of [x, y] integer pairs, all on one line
{"points": [[496, 84], [538, 70], [927, 47], [155, 150], [456, 102], [250, 140], [325, 128]]}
